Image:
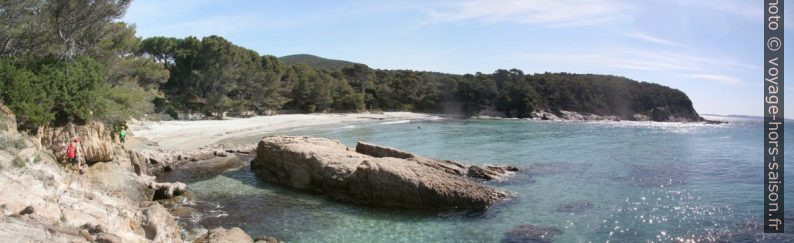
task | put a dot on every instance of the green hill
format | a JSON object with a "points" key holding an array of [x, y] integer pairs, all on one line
{"points": [[316, 62]]}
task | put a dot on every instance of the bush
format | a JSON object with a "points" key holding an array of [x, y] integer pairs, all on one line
{"points": [[77, 87], [26, 94], [20, 143], [19, 162], [6, 143], [128, 100]]}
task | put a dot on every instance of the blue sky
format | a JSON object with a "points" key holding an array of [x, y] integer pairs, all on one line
{"points": [[712, 50]]}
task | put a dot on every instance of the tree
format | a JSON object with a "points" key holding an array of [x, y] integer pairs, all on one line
{"points": [[64, 28]]}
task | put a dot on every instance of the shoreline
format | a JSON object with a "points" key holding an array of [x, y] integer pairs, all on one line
{"points": [[195, 134]]}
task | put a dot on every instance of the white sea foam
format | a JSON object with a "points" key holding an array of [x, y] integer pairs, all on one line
{"points": [[396, 122]]}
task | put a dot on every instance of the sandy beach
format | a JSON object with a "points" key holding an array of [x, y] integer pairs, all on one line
{"points": [[183, 135]]}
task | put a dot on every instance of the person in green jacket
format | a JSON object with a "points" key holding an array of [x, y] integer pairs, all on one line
{"points": [[122, 135]]}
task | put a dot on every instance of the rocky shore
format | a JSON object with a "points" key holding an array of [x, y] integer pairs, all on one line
{"points": [[659, 114], [115, 199]]}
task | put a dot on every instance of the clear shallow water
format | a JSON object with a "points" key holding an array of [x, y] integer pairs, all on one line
{"points": [[612, 181]]}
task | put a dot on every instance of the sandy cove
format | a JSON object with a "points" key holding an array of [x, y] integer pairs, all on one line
{"points": [[187, 135]]}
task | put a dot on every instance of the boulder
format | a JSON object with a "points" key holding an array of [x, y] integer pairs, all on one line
{"points": [[107, 238], [167, 190], [448, 166], [96, 141], [489, 172], [159, 225], [326, 166], [221, 235]]}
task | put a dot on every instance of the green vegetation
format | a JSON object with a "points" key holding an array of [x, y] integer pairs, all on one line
{"points": [[71, 61], [19, 162], [316, 62]]}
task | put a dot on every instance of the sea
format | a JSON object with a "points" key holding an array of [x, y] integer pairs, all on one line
{"points": [[578, 182]]}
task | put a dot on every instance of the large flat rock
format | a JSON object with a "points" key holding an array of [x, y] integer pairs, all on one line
{"points": [[328, 167]]}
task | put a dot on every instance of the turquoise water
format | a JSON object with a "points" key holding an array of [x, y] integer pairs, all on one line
{"points": [[611, 181]]}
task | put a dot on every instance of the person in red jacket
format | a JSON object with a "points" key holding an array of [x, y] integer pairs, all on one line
{"points": [[71, 154]]}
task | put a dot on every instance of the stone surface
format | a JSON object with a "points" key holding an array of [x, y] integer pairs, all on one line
{"points": [[531, 233], [53, 203], [221, 235], [96, 141], [266, 239], [448, 166], [159, 225], [8, 121], [326, 166]]}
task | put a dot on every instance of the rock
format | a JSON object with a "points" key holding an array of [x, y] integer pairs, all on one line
{"points": [[86, 235], [8, 121], [489, 172], [167, 190], [447, 166], [96, 141], [381, 151], [575, 207], [27, 210], [107, 238], [266, 239], [326, 166], [159, 225], [531, 233], [93, 228], [660, 114], [221, 235]]}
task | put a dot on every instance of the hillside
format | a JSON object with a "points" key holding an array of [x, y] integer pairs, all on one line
{"points": [[316, 62]]}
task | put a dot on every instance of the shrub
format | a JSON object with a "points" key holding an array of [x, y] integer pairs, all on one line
{"points": [[19, 162], [20, 143]]}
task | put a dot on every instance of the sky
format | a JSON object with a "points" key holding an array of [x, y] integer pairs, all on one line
{"points": [[711, 50]]}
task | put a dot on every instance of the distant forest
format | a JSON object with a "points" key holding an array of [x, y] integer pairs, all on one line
{"points": [[70, 61]]}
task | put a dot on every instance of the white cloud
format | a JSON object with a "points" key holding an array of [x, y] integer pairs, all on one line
{"points": [[730, 80], [552, 13], [654, 39]]}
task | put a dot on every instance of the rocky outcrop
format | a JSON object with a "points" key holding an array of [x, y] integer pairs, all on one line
{"points": [[487, 172], [159, 225], [167, 190], [8, 121], [53, 204], [326, 166], [96, 143], [221, 235], [154, 161]]}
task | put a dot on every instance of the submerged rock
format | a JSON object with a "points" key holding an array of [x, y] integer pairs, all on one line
{"points": [[531, 233], [326, 166], [575, 207]]}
